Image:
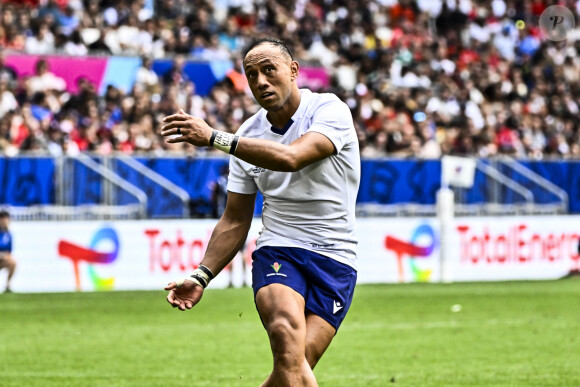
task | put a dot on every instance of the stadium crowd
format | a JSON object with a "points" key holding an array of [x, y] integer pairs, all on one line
{"points": [[422, 77]]}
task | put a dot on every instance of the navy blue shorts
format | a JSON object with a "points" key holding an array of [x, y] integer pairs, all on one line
{"points": [[326, 284]]}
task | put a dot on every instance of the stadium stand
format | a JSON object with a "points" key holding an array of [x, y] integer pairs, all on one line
{"points": [[423, 78]]}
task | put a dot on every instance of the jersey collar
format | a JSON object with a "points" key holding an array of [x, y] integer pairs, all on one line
{"points": [[282, 131], [304, 97]]}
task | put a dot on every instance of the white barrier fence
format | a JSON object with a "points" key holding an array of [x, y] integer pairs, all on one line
{"points": [[146, 255]]}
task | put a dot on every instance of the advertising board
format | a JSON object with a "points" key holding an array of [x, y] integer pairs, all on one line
{"points": [[146, 255]]}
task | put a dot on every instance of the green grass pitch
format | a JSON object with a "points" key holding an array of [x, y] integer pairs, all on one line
{"points": [[506, 334]]}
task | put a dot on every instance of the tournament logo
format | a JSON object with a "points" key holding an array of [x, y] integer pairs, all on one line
{"points": [[77, 253], [413, 251], [276, 266]]}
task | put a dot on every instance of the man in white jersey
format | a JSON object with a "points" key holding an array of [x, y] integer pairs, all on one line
{"points": [[301, 151]]}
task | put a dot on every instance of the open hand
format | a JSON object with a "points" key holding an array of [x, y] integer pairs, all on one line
{"points": [[186, 128], [184, 296]]}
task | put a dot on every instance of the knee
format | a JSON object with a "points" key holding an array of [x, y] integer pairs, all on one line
{"points": [[282, 331], [284, 339]]}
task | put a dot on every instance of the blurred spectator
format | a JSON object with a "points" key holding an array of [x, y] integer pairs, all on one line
{"points": [[213, 51], [128, 36], [230, 38], [75, 46], [42, 42], [238, 78], [7, 73], [7, 260], [68, 21], [176, 76], [147, 77], [8, 102], [44, 79]]}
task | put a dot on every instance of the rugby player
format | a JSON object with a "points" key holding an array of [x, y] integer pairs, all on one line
{"points": [[301, 152]]}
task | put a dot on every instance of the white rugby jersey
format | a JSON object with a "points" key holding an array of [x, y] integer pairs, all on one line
{"points": [[313, 208]]}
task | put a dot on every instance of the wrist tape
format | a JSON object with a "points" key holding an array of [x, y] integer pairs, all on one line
{"points": [[201, 276], [226, 142]]}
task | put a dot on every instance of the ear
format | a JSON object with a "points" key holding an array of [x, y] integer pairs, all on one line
{"points": [[294, 69]]}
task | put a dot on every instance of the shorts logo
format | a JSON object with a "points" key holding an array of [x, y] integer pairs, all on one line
{"points": [[276, 266], [336, 307]]}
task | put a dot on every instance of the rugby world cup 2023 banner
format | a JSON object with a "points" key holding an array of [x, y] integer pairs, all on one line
{"points": [[146, 255]]}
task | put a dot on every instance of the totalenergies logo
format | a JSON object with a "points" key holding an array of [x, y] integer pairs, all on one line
{"points": [[411, 250], [90, 255]]}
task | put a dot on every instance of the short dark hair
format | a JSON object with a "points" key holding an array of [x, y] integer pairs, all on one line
{"points": [[4, 214], [273, 41]]}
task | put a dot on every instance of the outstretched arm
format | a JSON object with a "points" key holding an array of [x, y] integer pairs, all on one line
{"points": [[226, 240], [309, 148]]}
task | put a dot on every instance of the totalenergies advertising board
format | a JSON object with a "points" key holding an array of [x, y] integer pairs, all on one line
{"points": [[146, 255], [513, 248]]}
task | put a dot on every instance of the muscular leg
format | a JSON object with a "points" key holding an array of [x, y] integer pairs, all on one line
{"points": [[10, 264], [319, 334], [282, 313]]}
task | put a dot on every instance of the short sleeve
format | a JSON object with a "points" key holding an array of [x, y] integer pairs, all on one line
{"points": [[334, 120], [238, 179]]}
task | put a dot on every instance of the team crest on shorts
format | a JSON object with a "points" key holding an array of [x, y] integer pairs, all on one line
{"points": [[276, 266]]}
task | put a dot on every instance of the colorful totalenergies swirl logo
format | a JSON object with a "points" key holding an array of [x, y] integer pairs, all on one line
{"points": [[410, 249], [79, 254]]}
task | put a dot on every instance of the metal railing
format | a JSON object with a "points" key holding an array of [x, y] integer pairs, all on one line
{"points": [[496, 203], [65, 208], [500, 193], [532, 177], [118, 181], [160, 180], [80, 212]]}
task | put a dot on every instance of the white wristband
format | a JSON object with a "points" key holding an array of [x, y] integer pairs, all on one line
{"points": [[201, 276], [226, 142]]}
